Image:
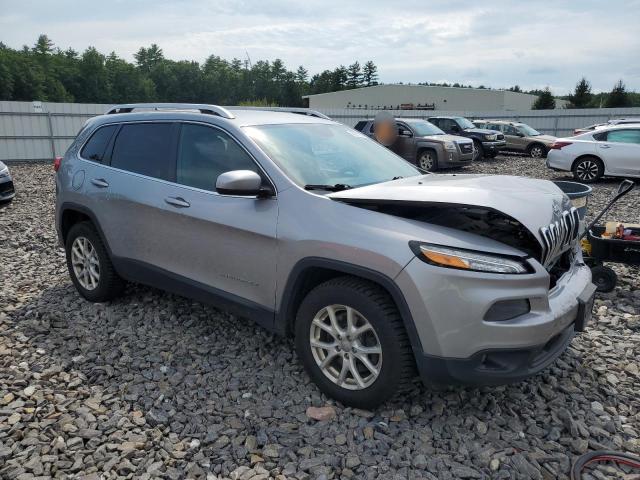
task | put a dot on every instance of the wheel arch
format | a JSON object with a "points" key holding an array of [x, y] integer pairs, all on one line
{"points": [[312, 271], [536, 143], [588, 155], [72, 213]]}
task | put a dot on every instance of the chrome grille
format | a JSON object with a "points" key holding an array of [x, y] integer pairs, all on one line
{"points": [[559, 235], [500, 136]]}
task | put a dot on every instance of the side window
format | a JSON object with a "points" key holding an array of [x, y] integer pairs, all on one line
{"points": [[510, 130], [360, 125], [494, 126], [624, 136], [145, 148], [371, 128], [204, 153], [435, 121], [94, 149], [600, 137]]}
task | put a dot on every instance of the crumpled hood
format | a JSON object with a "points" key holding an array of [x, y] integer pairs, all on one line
{"points": [[447, 138], [534, 203]]}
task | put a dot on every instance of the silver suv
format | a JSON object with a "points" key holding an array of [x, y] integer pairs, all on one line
{"points": [[316, 231]]}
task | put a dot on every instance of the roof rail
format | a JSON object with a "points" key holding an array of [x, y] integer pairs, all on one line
{"points": [[300, 111], [201, 107]]}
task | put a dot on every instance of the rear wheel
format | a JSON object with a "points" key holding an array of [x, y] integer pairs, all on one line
{"points": [[89, 264], [588, 169], [428, 160], [537, 150], [604, 278], [478, 151], [352, 343]]}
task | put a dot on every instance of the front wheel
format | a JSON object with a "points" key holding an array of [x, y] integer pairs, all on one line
{"points": [[428, 160], [588, 170], [478, 151], [352, 343]]}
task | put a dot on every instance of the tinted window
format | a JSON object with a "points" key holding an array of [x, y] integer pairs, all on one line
{"points": [[145, 148], [205, 153], [94, 149], [510, 130], [600, 136], [360, 125], [494, 126], [624, 136]]}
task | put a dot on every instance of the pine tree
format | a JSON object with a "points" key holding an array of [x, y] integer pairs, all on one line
{"points": [[370, 74], [618, 96], [545, 101], [581, 97], [354, 75]]}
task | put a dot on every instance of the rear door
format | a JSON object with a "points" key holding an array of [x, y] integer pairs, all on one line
{"points": [[141, 167], [225, 242], [512, 137], [621, 151]]}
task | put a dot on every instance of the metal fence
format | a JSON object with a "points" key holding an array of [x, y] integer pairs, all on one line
{"points": [[40, 131]]}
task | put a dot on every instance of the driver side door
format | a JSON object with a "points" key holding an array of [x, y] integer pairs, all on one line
{"points": [[405, 144]]}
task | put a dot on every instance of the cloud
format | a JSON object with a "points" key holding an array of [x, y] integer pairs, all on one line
{"points": [[500, 44]]}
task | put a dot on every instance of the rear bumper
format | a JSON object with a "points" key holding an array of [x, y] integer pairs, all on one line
{"points": [[559, 161]]}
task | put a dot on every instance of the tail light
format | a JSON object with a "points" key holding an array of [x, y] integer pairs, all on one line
{"points": [[559, 145], [56, 163], [576, 131]]}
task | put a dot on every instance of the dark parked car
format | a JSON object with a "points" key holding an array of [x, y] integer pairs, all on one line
{"points": [[486, 143], [425, 145], [7, 191]]}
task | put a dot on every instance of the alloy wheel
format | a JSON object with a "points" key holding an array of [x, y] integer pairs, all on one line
{"points": [[85, 262], [426, 161], [345, 347], [476, 151], [587, 170], [537, 152]]}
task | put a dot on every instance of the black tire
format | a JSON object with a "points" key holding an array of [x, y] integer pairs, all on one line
{"points": [[604, 278], [478, 151], [397, 366], [109, 284], [588, 169], [537, 150], [427, 160]]}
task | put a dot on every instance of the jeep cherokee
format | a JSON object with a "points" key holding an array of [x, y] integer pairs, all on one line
{"points": [[520, 137], [314, 230]]}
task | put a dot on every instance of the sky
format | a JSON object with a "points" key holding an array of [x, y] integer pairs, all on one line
{"points": [[530, 43]]}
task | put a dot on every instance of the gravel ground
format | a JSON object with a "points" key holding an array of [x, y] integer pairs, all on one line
{"points": [[158, 386]]}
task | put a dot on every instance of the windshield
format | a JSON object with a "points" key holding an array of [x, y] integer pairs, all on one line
{"points": [[528, 131], [422, 128], [328, 154], [464, 123]]}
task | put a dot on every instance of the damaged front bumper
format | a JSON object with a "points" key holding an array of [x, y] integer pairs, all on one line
{"points": [[459, 345]]}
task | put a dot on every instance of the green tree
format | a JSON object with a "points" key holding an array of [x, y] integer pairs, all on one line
{"points": [[149, 58], [515, 88], [545, 101], [370, 74], [354, 75], [618, 96], [582, 96]]}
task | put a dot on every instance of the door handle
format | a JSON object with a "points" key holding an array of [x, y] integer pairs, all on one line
{"points": [[605, 146], [177, 202], [100, 182]]}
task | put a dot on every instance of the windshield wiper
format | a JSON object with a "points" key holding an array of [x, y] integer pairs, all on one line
{"points": [[329, 188]]}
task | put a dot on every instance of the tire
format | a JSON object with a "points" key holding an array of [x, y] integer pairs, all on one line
{"points": [[478, 151], [84, 248], [427, 160], [537, 150], [604, 278], [588, 169], [371, 305]]}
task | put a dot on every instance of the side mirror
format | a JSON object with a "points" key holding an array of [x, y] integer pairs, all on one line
{"points": [[404, 132], [241, 182]]}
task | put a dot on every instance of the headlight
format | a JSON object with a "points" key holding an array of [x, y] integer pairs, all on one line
{"points": [[467, 259], [449, 145], [491, 137], [4, 172]]}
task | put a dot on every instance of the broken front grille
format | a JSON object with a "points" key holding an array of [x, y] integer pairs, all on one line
{"points": [[559, 235]]}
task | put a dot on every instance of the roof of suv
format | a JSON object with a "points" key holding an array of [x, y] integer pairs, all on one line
{"points": [[447, 116], [239, 116]]}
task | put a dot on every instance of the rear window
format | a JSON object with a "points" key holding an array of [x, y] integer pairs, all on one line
{"points": [[95, 148], [145, 148]]}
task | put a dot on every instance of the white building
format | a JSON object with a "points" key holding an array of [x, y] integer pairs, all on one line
{"points": [[422, 97]]}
